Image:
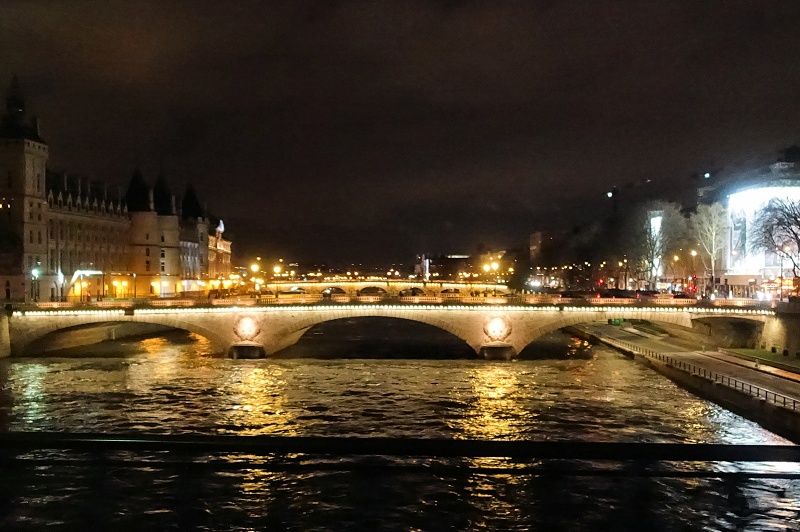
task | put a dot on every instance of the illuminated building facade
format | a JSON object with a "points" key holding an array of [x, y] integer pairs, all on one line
{"points": [[65, 238], [748, 270], [219, 253]]}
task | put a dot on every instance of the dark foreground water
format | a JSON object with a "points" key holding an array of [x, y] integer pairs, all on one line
{"points": [[168, 389]]}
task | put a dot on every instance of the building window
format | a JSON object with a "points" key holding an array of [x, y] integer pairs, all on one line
{"points": [[147, 236], [146, 252], [162, 253], [39, 237], [30, 237], [163, 267], [162, 237], [147, 265]]}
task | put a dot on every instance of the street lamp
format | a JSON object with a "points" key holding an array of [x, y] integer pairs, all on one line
{"points": [[675, 260], [786, 249], [276, 270], [35, 283], [694, 273]]}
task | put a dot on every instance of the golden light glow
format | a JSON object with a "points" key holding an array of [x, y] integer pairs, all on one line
{"points": [[254, 268], [494, 408], [497, 328], [247, 328]]}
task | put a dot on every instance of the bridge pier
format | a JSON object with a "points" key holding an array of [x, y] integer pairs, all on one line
{"points": [[498, 352], [247, 350]]}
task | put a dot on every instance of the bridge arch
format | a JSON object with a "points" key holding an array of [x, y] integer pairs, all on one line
{"points": [[33, 329], [291, 332], [666, 316], [374, 337]]}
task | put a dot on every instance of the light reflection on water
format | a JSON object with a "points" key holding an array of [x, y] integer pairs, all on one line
{"points": [[169, 388]]}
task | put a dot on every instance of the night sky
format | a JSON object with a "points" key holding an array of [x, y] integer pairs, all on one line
{"points": [[371, 131]]}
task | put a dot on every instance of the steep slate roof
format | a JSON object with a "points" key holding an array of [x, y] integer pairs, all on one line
{"points": [[162, 197], [15, 124], [190, 205], [138, 195]]}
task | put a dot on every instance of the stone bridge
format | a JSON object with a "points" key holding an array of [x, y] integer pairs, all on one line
{"points": [[502, 330]]}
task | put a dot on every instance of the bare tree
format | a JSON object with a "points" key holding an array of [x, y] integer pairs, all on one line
{"points": [[654, 231], [776, 229], [708, 227]]}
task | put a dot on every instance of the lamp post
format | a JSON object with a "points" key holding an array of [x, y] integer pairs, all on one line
{"points": [[35, 284], [276, 270], [786, 249], [675, 260], [694, 274], [256, 286]]}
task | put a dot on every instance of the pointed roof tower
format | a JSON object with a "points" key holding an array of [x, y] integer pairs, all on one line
{"points": [[15, 124], [162, 197], [15, 102], [138, 196], [190, 205]]}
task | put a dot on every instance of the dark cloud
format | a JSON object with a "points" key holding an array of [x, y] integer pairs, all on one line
{"points": [[371, 130]]}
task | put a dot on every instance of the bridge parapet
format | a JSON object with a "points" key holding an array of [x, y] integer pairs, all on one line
{"points": [[528, 301]]}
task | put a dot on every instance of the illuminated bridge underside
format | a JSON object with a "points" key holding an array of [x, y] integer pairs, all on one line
{"points": [[276, 328]]}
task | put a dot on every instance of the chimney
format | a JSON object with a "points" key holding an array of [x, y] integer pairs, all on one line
{"points": [[174, 211], [152, 203]]}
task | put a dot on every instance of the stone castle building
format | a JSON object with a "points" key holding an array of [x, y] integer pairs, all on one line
{"points": [[64, 237]]}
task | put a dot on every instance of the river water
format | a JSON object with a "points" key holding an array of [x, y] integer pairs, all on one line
{"points": [[166, 387]]}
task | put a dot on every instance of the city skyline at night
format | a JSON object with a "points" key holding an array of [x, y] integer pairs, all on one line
{"points": [[372, 133]]}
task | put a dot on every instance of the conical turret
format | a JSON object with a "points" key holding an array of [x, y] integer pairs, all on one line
{"points": [[15, 125], [138, 196], [190, 205], [162, 197]]}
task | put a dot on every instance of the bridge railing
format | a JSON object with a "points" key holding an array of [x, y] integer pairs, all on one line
{"points": [[371, 299], [56, 304], [670, 302], [238, 301], [294, 299], [712, 376], [523, 299], [419, 299], [172, 302]]}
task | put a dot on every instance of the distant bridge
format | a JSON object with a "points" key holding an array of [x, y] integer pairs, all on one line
{"points": [[489, 329]]}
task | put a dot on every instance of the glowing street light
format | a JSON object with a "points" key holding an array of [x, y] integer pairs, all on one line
{"points": [[254, 268]]}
